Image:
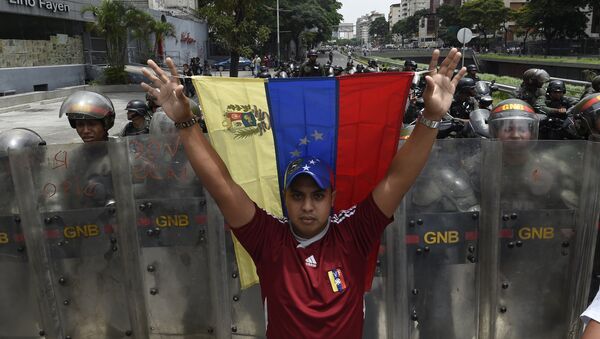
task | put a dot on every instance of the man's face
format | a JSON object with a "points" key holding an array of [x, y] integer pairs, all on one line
{"points": [[131, 115], [312, 58], [473, 73], [308, 206], [514, 130], [90, 130], [556, 95]]}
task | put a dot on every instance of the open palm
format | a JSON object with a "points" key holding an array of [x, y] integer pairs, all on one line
{"points": [[168, 91], [441, 85]]}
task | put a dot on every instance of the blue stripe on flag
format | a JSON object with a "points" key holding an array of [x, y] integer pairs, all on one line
{"points": [[303, 119]]}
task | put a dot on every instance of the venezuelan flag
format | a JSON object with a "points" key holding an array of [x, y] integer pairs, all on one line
{"points": [[259, 126]]}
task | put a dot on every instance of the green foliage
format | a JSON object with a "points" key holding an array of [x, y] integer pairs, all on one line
{"points": [[553, 19], [115, 75], [488, 16], [379, 30], [349, 42], [113, 18], [236, 26], [408, 27]]}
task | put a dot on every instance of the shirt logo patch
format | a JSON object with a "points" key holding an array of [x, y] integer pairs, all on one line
{"points": [[310, 261], [336, 278]]}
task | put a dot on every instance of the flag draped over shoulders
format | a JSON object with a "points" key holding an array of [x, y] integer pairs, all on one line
{"points": [[258, 127]]}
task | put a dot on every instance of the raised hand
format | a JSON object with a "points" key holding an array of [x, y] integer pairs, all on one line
{"points": [[440, 84], [168, 91]]}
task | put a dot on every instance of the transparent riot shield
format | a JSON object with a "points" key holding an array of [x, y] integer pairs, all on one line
{"points": [[22, 318], [436, 246], [169, 240], [66, 201], [544, 187]]}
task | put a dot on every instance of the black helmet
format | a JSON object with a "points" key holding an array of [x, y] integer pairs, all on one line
{"points": [[410, 63], [471, 67], [86, 105], [513, 114], [18, 138], [589, 110], [536, 77], [137, 106], [556, 86], [360, 68], [465, 84], [338, 70], [312, 52], [596, 83]]}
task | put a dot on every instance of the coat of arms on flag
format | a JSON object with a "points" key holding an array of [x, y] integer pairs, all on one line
{"points": [[246, 120]]}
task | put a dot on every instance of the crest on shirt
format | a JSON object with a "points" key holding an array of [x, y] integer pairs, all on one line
{"points": [[337, 280], [246, 120]]}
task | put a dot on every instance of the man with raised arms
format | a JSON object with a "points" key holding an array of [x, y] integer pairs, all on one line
{"points": [[312, 266]]}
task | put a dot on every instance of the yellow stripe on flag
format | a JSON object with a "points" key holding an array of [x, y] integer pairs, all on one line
{"points": [[238, 122], [332, 281]]}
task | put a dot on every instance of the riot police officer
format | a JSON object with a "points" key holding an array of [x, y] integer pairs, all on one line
{"points": [[472, 72], [531, 91], [591, 89], [373, 66], [264, 73], [587, 113], [410, 66], [556, 101], [90, 114], [137, 113], [311, 68], [464, 99]]}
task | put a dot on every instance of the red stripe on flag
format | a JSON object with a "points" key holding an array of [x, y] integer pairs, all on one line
{"points": [[471, 235], [506, 233], [412, 239], [108, 229], [371, 108], [19, 238]]}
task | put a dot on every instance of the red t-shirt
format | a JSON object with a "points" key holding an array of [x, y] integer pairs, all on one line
{"points": [[317, 291]]}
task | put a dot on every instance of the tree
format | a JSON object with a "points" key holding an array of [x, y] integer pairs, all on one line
{"points": [[113, 18], [161, 30], [450, 23], [553, 19], [486, 15], [379, 30], [408, 27], [236, 25], [318, 16]]}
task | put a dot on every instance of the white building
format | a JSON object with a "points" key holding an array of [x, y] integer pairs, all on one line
{"points": [[395, 14], [362, 27], [344, 31]]}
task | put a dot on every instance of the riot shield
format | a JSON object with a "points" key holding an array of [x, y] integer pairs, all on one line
{"points": [[541, 223], [437, 285], [65, 198], [168, 214], [22, 319]]}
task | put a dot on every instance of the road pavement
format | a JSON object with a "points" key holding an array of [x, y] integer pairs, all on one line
{"points": [[42, 116]]}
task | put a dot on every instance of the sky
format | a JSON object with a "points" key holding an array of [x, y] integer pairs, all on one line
{"points": [[353, 9]]}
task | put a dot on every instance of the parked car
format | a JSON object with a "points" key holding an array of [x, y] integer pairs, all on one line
{"points": [[244, 64]]}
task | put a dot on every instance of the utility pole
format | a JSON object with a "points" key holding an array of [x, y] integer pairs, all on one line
{"points": [[278, 38]]}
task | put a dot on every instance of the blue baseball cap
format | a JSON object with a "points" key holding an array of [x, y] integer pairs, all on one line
{"points": [[314, 167]]}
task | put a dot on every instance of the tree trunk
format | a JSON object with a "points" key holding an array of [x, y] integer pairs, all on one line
{"points": [[233, 65]]}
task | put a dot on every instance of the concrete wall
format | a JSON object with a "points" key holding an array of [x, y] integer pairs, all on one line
{"points": [[182, 51], [22, 79]]}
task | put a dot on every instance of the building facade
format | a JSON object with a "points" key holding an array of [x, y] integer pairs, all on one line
{"points": [[344, 31], [44, 44], [362, 27], [395, 14]]}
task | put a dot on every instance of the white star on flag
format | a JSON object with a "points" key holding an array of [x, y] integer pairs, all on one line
{"points": [[306, 168], [312, 162], [295, 153], [304, 141], [317, 136]]}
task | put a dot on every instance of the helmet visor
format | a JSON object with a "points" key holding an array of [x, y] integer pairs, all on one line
{"points": [[514, 128]]}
